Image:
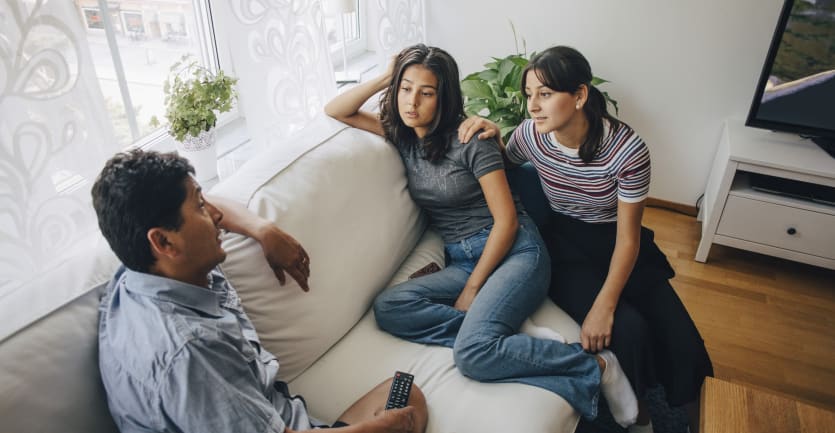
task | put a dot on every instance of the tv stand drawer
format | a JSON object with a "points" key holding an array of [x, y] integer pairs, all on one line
{"points": [[778, 226]]}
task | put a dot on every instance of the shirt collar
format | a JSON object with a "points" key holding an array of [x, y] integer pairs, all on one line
{"points": [[204, 299], [575, 152]]}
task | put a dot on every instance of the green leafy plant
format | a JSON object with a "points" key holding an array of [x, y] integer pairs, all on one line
{"points": [[494, 93], [194, 96]]}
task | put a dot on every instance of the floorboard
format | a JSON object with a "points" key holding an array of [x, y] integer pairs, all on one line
{"points": [[767, 323]]}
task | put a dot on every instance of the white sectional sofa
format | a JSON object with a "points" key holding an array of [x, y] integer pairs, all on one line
{"points": [[342, 193]]}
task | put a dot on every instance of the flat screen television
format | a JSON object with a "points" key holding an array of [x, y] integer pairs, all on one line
{"points": [[796, 90]]}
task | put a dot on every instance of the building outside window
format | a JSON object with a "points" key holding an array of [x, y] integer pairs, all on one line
{"points": [[149, 37], [92, 17], [134, 23], [355, 36]]}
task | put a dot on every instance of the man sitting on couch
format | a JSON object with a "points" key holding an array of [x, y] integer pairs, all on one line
{"points": [[176, 350]]}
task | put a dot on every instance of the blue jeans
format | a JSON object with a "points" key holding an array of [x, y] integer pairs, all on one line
{"points": [[486, 342]]}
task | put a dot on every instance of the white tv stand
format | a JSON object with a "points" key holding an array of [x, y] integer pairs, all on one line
{"points": [[735, 215]]}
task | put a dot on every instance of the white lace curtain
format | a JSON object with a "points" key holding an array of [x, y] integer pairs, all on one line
{"points": [[400, 23], [54, 137], [55, 133], [279, 52]]}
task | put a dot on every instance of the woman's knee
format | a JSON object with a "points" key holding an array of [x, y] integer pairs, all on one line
{"points": [[630, 329], [388, 306], [472, 357]]}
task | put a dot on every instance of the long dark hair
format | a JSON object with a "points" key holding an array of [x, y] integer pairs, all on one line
{"points": [[564, 69], [449, 112]]}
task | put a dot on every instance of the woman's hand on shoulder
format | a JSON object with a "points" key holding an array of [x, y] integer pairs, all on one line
{"points": [[473, 124]]}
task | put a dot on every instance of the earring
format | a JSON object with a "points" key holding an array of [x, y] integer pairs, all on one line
{"points": [[577, 106]]}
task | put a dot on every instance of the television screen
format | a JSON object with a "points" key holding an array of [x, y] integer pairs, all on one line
{"points": [[796, 91]]}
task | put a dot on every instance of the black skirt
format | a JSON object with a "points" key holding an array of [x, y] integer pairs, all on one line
{"points": [[653, 336]]}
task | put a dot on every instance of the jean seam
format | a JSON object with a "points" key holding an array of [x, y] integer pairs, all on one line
{"points": [[509, 293]]}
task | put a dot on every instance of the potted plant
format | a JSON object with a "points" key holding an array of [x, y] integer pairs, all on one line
{"points": [[495, 93], [194, 96]]}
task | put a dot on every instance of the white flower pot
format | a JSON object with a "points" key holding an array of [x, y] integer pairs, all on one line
{"points": [[201, 153]]}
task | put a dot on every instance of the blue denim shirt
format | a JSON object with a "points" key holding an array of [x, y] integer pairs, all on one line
{"points": [[175, 357]]}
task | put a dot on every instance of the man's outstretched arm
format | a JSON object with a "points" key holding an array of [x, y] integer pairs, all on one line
{"points": [[283, 252]]}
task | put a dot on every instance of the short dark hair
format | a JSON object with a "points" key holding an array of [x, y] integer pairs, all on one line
{"points": [[449, 113], [136, 191], [564, 69]]}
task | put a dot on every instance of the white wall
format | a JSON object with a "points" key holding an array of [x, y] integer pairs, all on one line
{"points": [[678, 68]]}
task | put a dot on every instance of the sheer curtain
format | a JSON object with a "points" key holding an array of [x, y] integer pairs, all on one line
{"points": [[279, 50], [400, 23], [55, 133], [54, 138]]}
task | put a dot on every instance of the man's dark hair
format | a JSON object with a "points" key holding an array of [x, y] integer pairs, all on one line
{"points": [[564, 69], [137, 191], [448, 114]]}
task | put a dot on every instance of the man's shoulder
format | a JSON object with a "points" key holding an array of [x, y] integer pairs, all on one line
{"points": [[142, 334]]}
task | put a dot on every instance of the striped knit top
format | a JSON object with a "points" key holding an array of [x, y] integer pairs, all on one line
{"points": [[588, 192]]}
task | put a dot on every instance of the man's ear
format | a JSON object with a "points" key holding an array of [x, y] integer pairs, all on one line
{"points": [[161, 243]]}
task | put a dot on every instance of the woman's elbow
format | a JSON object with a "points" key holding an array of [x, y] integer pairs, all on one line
{"points": [[509, 223], [331, 111]]}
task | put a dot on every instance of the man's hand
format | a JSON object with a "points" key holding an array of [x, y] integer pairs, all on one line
{"points": [[284, 254], [397, 420], [469, 127]]}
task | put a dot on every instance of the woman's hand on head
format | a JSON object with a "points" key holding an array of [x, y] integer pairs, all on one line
{"points": [[390, 68], [473, 124]]}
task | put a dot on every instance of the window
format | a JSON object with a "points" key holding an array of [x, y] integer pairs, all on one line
{"points": [[353, 24], [93, 18], [133, 45]]}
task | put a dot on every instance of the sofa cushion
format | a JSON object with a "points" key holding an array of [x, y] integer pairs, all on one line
{"points": [[346, 202], [49, 376], [366, 356]]}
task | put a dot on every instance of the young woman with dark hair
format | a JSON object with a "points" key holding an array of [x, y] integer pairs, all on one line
{"points": [[607, 272], [497, 268]]}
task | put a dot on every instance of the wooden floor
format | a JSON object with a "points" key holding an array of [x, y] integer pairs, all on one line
{"points": [[767, 323]]}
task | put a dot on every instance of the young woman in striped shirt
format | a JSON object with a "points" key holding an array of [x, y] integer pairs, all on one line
{"points": [[607, 272]]}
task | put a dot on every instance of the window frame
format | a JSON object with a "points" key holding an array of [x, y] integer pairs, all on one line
{"points": [[354, 48], [211, 52]]}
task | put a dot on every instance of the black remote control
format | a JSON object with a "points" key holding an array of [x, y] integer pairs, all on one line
{"points": [[401, 385]]}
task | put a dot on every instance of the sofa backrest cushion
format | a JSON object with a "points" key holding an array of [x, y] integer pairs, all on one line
{"points": [[49, 375], [347, 203]]}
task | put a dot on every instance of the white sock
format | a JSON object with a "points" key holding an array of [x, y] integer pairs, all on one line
{"points": [[617, 391], [635, 428], [540, 332]]}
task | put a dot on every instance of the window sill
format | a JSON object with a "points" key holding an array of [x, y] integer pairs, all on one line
{"points": [[362, 67]]}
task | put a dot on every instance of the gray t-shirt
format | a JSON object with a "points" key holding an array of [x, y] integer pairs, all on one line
{"points": [[448, 190], [178, 357]]}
